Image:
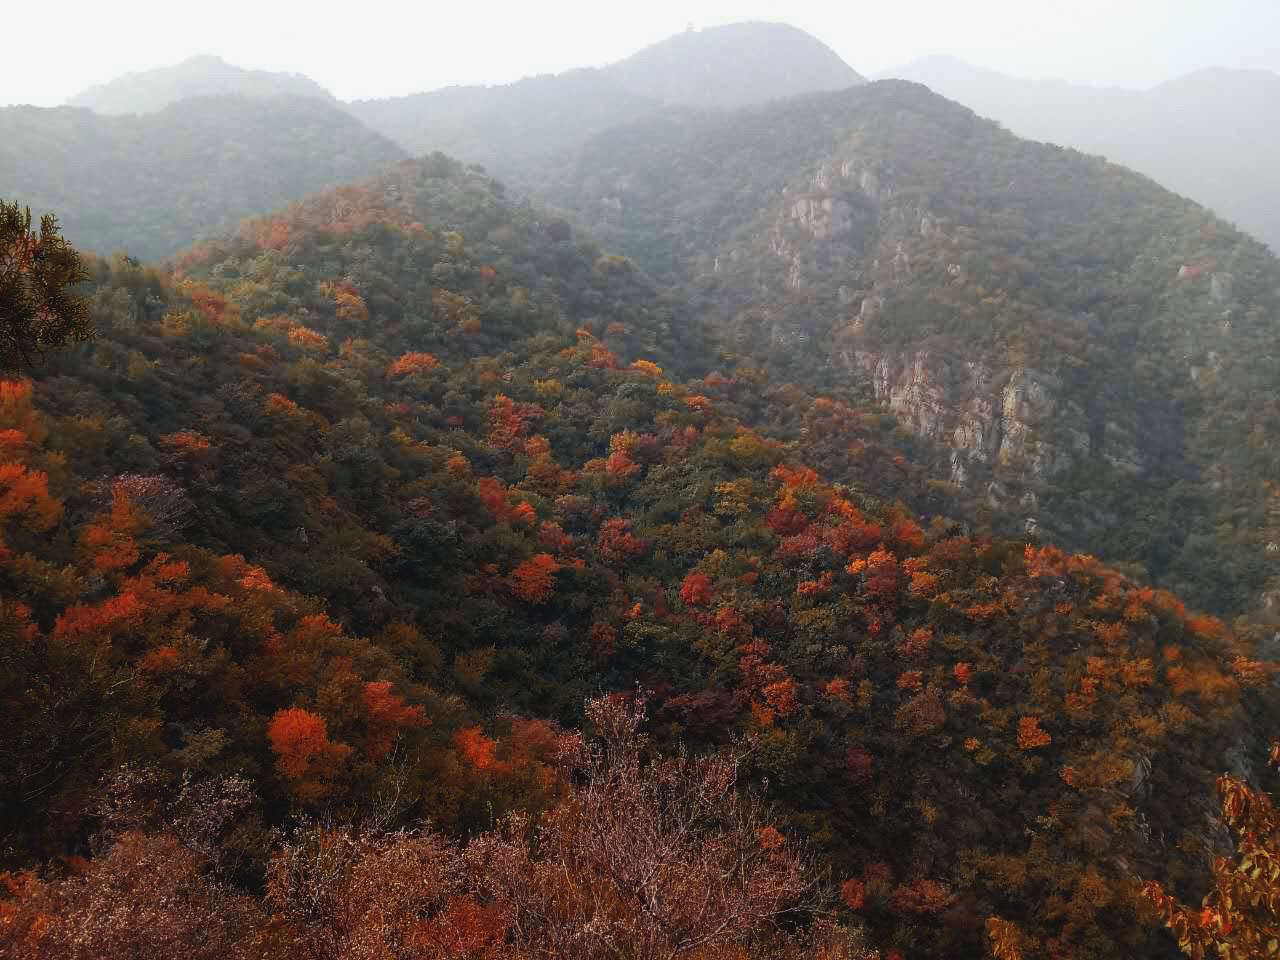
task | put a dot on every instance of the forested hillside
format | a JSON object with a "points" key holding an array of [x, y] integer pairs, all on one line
{"points": [[151, 184], [1228, 159], [1095, 353], [338, 524]]}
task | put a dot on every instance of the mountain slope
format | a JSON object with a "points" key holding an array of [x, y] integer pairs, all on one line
{"points": [[517, 131], [524, 131], [201, 76], [150, 184], [339, 518], [1213, 135], [1097, 354]]}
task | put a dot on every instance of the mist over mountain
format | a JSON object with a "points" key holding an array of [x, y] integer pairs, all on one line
{"points": [[201, 76], [151, 183], [1212, 135], [522, 129], [733, 66], [518, 131]]}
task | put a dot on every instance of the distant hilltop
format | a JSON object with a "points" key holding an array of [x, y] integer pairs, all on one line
{"points": [[733, 66], [150, 90], [521, 130]]}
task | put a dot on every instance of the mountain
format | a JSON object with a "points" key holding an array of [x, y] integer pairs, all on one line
{"points": [[735, 65], [150, 184], [523, 131], [517, 131], [1094, 354], [1213, 135], [345, 513], [201, 76]]}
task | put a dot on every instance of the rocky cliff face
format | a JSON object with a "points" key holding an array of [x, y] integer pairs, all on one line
{"points": [[1012, 432], [1005, 428], [1089, 354], [1009, 433]]}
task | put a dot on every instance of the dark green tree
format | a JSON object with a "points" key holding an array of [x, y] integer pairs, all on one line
{"points": [[37, 311]]}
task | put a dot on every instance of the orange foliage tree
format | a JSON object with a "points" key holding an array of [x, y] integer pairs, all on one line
{"points": [[1030, 735], [25, 502], [1240, 917], [308, 339], [350, 308], [534, 579], [413, 363]]}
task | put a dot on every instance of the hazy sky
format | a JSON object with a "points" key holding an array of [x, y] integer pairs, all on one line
{"points": [[381, 47]]}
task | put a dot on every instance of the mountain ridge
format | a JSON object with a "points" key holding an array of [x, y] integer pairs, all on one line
{"points": [[1226, 159], [505, 128], [147, 91]]}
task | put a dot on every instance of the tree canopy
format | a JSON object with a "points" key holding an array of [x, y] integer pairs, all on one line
{"points": [[39, 311]]}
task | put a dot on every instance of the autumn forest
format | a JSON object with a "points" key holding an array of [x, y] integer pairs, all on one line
{"points": [[403, 572]]}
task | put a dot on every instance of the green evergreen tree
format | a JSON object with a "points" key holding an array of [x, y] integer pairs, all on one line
{"points": [[37, 311]]}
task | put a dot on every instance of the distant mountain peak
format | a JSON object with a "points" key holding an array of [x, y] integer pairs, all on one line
{"points": [[734, 65], [204, 74], [520, 131]]}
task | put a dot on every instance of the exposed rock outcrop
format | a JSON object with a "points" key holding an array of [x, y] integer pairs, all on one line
{"points": [[823, 217], [1016, 422]]}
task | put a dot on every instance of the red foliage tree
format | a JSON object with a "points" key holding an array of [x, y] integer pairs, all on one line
{"points": [[695, 590], [386, 715], [305, 755], [479, 751], [616, 543]]}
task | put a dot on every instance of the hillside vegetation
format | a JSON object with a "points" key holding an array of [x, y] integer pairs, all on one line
{"points": [[1095, 354], [151, 184], [339, 523], [1212, 135]]}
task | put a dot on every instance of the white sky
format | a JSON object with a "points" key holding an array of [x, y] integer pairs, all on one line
{"points": [[367, 48]]}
